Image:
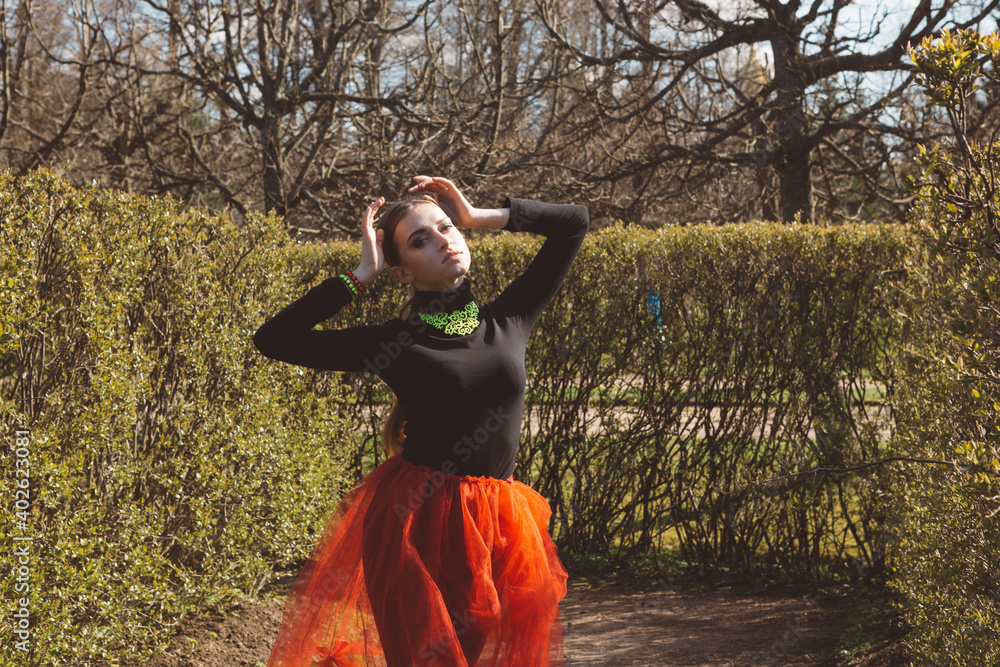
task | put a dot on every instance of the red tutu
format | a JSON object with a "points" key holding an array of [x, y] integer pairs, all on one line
{"points": [[417, 567]]}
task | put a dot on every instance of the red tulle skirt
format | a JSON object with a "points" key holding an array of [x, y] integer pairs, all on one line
{"points": [[417, 567]]}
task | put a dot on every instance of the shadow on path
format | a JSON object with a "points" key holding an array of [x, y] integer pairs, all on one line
{"points": [[617, 626]]}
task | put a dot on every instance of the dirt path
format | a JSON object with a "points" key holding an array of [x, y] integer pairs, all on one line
{"points": [[618, 626], [609, 625]]}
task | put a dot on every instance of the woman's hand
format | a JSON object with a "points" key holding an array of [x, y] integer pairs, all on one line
{"points": [[372, 259], [449, 198]]}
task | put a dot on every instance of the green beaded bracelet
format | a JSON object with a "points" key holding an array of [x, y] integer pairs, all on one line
{"points": [[350, 284]]}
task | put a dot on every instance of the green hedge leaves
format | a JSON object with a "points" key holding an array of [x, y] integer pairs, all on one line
{"points": [[946, 519], [169, 468]]}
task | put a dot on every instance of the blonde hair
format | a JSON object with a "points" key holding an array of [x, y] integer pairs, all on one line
{"points": [[392, 429]]}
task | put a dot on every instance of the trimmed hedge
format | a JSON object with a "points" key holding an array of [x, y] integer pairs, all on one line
{"points": [[760, 359], [173, 466], [169, 467]]}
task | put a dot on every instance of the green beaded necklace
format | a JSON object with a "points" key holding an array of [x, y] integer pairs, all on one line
{"points": [[461, 322]]}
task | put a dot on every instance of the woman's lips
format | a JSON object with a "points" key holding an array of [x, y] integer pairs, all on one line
{"points": [[453, 255]]}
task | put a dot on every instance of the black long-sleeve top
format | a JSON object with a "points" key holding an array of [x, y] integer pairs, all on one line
{"points": [[462, 395]]}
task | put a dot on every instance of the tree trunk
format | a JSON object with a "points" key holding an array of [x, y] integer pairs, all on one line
{"points": [[792, 156], [271, 118], [274, 198], [796, 183]]}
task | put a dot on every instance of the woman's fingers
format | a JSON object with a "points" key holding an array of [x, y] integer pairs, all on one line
{"points": [[432, 183], [442, 187], [448, 197], [422, 182], [371, 248], [369, 214]]}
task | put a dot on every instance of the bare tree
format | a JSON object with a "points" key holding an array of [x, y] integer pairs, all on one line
{"points": [[700, 110], [338, 100], [13, 52], [652, 111], [263, 101], [53, 64]]}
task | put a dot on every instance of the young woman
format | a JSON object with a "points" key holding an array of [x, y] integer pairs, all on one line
{"points": [[438, 556]]}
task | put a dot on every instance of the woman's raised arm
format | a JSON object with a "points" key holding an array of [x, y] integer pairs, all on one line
{"points": [[457, 207], [564, 227], [290, 335], [372, 257]]}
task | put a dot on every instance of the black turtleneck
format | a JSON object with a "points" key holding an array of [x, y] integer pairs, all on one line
{"points": [[462, 395]]}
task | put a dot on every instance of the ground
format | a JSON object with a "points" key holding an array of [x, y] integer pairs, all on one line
{"points": [[610, 622]]}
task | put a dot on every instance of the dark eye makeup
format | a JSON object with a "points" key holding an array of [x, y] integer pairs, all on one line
{"points": [[418, 240]]}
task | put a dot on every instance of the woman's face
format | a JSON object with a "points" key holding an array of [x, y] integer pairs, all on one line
{"points": [[432, 253]]}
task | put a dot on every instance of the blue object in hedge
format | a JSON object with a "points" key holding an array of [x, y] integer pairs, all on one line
{"points": [[653, 302]]}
